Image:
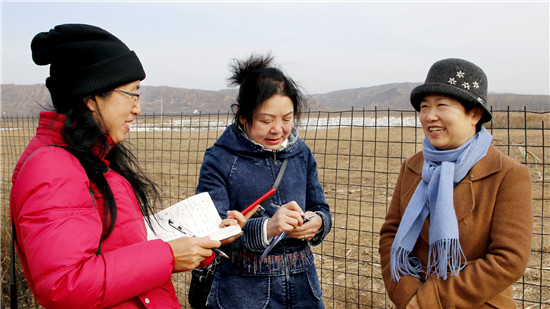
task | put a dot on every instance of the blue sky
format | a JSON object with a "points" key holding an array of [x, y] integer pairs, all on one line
{"points": [[324, 46]]}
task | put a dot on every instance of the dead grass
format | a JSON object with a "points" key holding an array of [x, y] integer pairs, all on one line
{"points": [[357, 168]]}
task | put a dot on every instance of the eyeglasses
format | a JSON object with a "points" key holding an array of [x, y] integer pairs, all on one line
{"points": [[135, 96]]}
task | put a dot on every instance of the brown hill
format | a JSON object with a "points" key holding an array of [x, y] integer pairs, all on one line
{"points": [[396, 97], [30, 99], [393, 96]]}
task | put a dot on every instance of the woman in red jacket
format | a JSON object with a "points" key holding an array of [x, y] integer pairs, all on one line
{"points": [[79, 198]]}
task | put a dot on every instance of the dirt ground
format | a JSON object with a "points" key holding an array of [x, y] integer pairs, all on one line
{"points": [[357, 168]]}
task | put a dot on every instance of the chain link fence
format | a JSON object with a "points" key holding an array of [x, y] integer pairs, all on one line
{"points": [[358, 152]]}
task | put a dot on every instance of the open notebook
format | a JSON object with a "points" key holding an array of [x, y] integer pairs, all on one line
{"points": [[196, 214]]}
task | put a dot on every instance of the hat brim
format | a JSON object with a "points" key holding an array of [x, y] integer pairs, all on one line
{"points": [[464, 97]]}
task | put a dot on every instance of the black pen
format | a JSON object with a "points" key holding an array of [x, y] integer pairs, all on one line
{"points": [[188, 233]]}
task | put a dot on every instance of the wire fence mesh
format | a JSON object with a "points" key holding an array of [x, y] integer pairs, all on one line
{"points": [[358, 152]]}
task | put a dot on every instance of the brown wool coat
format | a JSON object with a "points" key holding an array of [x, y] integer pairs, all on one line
{"points": [[495, 217]]}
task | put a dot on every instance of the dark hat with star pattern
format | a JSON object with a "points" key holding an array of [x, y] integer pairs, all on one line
{"points": [[456, 78]]}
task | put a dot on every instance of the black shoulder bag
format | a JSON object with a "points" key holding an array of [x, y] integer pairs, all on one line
{"points": [[201, 278]]}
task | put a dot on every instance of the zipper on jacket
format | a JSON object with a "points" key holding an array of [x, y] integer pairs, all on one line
{"points": [[287, 280], [274, 158]]}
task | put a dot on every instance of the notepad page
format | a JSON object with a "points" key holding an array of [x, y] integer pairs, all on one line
{"points": [[196, 213]]}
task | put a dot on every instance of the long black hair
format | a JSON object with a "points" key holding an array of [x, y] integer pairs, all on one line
{"points": [[259, 80], [81, 133]]}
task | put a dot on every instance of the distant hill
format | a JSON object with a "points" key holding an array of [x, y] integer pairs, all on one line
{"points": [[30, 99], [394, 96]]}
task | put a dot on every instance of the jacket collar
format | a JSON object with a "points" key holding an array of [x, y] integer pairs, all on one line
{"points": [[52, 124], [236, 141], [293, 136]]}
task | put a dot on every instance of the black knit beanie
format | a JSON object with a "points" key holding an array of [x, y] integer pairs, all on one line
{"points": [[84, 60], [456, 78]]}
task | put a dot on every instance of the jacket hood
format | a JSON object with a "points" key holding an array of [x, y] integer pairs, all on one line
{"points": [[236, 141], [50, 132]]}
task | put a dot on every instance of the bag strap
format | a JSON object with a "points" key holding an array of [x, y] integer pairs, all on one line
{"points": [[280, 175], [278, 179], [13, 278]]}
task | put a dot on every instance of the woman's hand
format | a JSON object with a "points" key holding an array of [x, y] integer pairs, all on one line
{"points": [[233, 218], [287, 218], [189, 252], [413, 303], [307, 230]]}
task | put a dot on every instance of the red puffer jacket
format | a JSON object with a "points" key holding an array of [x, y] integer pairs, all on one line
{"points": [[59, 225]]}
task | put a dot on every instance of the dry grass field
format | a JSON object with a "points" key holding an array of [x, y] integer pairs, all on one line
{"points": [[358, 166]]}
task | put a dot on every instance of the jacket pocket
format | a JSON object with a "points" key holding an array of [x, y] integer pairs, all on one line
{"points": [[313, 282]]}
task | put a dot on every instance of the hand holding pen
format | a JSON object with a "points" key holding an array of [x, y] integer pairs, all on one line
{"points": [[189, 252], [185, 259], [278, 238], [287, 218], [185, 231]]}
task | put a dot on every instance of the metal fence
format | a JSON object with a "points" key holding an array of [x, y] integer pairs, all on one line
{"points": [[358, 152]]}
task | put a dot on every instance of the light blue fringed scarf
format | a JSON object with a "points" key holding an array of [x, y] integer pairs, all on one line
{"points": [[434, 197]]}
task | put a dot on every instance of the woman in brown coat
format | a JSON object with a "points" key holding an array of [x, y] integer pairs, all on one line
{"points": [[458, 230]]}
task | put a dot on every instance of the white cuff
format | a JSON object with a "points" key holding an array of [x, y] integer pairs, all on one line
{"points": [[266, 239]]}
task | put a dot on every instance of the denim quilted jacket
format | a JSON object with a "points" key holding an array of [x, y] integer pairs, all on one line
{"points": [[236, 171]]}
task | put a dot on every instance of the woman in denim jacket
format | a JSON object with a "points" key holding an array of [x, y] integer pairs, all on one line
{"points": [[242, 166]]}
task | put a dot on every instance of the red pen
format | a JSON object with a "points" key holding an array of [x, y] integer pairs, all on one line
{"points": [[261, 199]]}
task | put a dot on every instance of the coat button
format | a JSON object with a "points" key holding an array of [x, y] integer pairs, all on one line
{"points": [[147, 300]]}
